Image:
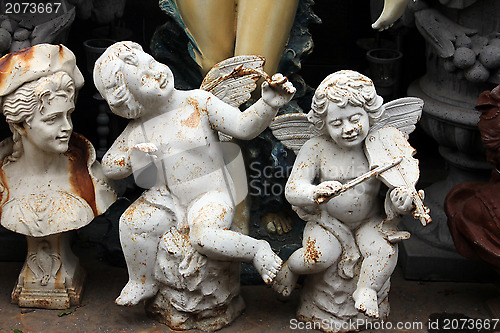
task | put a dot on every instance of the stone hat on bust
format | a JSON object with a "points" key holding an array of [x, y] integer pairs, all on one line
{"points": [[35, 62]]}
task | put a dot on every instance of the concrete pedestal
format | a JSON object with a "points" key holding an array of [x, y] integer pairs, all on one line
{"points": [[51, 277]]}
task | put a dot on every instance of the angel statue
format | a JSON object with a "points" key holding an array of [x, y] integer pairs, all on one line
{"points": [[349, 249], [179, 238]]}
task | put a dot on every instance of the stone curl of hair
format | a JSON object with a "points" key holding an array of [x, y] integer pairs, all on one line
{"points": [[19, 107], [110, 82], [343, 88]]}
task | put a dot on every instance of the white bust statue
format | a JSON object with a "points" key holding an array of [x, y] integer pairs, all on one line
{"points": [[50, 182]]}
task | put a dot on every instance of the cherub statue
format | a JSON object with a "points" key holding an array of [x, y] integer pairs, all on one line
{"points": [[332, 186], [178, 129], [50, 180]]}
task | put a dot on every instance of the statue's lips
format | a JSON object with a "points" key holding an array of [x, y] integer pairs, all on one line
{"points": [[350, 137], [64, 138]]}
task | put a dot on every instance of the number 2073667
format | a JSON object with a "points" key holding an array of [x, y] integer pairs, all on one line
{"points": [[31, 7]]}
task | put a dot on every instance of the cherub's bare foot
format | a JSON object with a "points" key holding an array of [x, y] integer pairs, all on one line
{"points": [[277, 223], [285, 281], [266, 262], [393, 9], [366, 301], [134, 292]]}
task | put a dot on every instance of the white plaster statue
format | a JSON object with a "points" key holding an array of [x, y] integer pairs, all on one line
{"points": [[191, 203], [50, 182], [349, 241]]}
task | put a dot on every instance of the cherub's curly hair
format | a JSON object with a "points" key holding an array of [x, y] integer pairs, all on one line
{"points": [[109, 80], [20, 106], [345, 87]]}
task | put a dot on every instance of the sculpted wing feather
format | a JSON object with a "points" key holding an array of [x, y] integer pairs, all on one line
{"points": [[235, 91], [293, 130], [402, 113], [233, 79]]}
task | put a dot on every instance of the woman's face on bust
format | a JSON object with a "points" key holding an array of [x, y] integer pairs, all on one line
{"points": [[50, 130]]}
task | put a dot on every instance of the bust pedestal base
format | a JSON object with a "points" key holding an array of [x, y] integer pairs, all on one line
{"points": [[51, 277]]}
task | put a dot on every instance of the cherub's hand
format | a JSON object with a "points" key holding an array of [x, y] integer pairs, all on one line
{"points": [[146, 147], [278, 92], [402, 200], [326, 189], [141, 154]]}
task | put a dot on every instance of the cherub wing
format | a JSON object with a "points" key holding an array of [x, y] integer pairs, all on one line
{"points": [[293, 130], [402, 113], [233, 79]]}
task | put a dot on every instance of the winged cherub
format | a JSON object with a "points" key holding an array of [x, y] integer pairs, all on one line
{"points": [[332, 186], [178, 129]]}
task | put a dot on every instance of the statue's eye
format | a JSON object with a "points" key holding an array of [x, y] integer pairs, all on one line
{"points": [[131, 59], [355, 118], [336, 123], [50, 120]]}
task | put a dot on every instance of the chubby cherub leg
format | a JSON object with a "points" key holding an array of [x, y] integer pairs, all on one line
{"points": [[350, 253], [141, 227], [320, 249], [210, 218], [380, 259], [393, 9], [285, 280]]}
